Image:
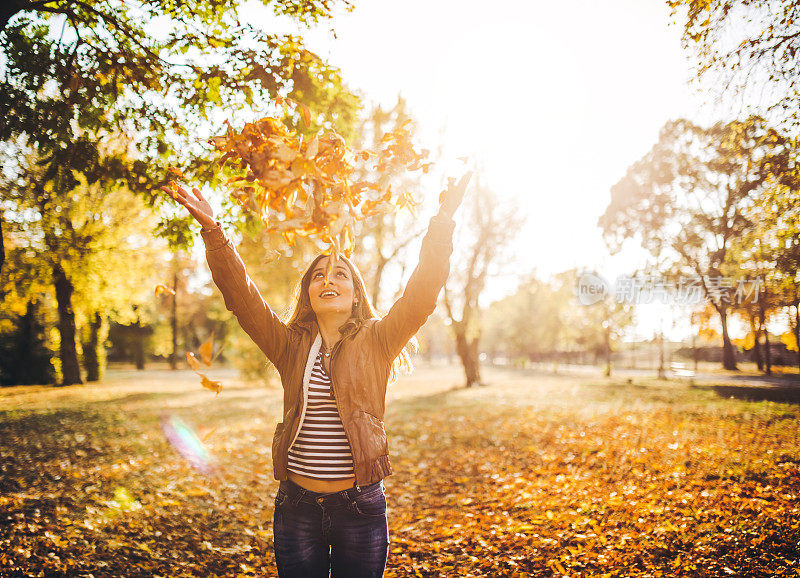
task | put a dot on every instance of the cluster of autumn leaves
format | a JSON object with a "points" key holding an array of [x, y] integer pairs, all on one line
{"points": [[308, 187]]}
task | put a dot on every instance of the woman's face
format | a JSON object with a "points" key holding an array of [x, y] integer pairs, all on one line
{"points": [[337, 294]]}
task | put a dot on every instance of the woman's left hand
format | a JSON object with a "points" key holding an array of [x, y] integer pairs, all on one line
{"points": [[453, 195]]}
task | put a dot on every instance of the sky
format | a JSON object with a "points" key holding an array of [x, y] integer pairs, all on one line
{"points": [[556, 100]]}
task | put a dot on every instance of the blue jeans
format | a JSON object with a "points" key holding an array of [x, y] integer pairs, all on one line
{"points": [[342, 533]]}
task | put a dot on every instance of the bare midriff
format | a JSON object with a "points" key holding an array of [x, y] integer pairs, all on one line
{"points": [[322, 486]]}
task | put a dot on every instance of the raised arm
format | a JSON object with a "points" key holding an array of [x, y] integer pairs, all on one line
{"points": [[418, 300], [241, 295]]}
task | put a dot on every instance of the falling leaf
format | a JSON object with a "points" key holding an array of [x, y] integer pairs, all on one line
{"points": [[306, 113], [163, 289], [176, 173], [312, 149], [206, 350], [308, 188], [215, 386], [192, 361]]}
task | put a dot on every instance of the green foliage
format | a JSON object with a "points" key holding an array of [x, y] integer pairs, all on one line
{"points": [[74, 71], [98, 234], [97, 100], [509, 323]]}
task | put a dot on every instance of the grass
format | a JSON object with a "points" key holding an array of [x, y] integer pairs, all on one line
{"points": [[534, 475]]}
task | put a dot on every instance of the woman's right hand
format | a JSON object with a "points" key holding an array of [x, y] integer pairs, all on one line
{"points": [[197, 205]]}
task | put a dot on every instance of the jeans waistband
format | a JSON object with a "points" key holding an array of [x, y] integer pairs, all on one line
{"points": [[297, 493]]}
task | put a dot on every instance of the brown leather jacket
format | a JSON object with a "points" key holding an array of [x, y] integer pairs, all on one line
{"points": [[360, 362]]}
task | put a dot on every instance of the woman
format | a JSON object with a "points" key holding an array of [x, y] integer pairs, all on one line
{"points": [[335, 358]]}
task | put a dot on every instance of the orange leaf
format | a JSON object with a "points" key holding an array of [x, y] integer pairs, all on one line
{"points": [[163, 289], [215, 386], [313, 147], [176, 173], [207, 349], [313, 188], [305, 112], [192, 361]]}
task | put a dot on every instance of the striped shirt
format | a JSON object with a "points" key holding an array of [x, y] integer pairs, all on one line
{"points": [[321, 449]]}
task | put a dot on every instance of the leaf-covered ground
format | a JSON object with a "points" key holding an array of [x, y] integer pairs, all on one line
{"points": [[534, 475]]}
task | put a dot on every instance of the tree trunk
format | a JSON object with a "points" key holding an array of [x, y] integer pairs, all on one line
{"points": [[762, 320], [607, 348], [30, 362], [93, 352], [138, 345], [756, 331], [728, 355], [467, 350], [2, 249], [662, 373], [173, 355], [70, 368], [797, 331]]}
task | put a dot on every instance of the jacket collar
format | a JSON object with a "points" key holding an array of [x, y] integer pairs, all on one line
{"points": [[310, 325]]}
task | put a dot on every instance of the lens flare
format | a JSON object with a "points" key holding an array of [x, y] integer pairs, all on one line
{"points": [[183, 439]]}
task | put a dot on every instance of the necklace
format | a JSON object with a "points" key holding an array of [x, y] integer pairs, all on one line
{"points": [[326, 350]]}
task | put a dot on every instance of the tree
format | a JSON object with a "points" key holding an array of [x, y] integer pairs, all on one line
{"points": [[686, 200], [770, 250], [742, 45], [507, 322], [599, 327], [385, 237], [85, 239], [757, 251], [785, 215], [77, 72], [562, 324], [157, 69], [24, 356], [492, 228]]}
